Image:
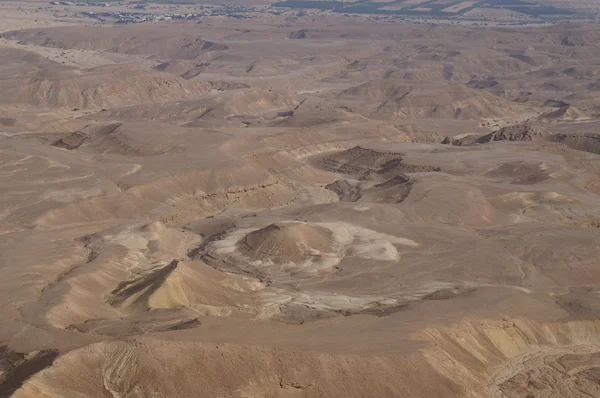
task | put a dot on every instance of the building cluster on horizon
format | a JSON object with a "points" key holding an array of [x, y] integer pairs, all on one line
{"points": [[137, 17], [124, 17]]}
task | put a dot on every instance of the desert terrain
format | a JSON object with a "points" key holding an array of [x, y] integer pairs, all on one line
{"points": [[283, 205]]}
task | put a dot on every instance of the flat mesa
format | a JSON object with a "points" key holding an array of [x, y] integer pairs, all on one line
{"points": [[300, 199]]}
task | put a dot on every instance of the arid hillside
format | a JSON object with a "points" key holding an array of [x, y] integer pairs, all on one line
{"points": [[317, 206]]}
